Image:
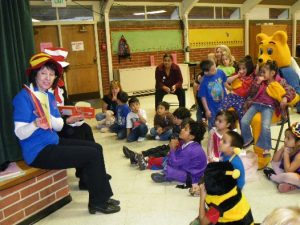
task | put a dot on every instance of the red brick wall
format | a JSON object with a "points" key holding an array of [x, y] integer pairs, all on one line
{"points": [[26, 199], [143, 59]]}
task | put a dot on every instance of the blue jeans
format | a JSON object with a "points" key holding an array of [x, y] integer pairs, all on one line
{"points": [[165, 136], [139, 131], [100, 116], [264, 140], [120, 130]]}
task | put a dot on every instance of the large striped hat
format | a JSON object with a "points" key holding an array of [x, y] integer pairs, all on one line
{"points": [[59, 54], [38, 60]]}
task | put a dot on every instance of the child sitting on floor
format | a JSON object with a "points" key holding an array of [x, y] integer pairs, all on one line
{"points": [[136, 121], [225, 121], [163, 122], [286, 162], [186, 160], [230, 147], [119, 126], [180, 114]]}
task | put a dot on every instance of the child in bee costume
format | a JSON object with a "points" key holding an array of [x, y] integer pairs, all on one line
{"points": [[221, 201]]}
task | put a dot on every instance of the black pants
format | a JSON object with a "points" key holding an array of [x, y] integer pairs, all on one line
{"points": [[83, 132], [159, 151], [71, 153], [159, 95]]}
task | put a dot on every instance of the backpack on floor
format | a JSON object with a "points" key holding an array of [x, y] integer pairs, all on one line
{"points": [[124, 49]]}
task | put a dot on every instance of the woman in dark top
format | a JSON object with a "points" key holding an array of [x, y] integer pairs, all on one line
{"points": [[169, 80], [109, 102]]}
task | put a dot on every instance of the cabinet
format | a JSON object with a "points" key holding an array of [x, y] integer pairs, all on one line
{"points": [[256, 29]]}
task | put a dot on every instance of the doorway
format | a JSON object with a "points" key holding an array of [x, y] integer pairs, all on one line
{"points": [[81, 77]]}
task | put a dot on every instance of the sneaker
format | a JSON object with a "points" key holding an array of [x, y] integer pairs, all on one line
{"points": [[285, 187], [140, 139], [133, 158], [126, 152], [157, 137], [268, 172], [249, 143], [142, 162], [158, 177]]}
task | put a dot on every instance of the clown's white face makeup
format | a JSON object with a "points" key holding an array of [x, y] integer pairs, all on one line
{"points": [[44, 78]]}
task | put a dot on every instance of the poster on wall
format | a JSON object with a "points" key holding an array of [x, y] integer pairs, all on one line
{"points": [[77, 46], [210, 38], [44, 45]]}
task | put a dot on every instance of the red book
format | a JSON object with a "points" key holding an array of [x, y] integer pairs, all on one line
{"points": [[38, 106], [69, 110]]}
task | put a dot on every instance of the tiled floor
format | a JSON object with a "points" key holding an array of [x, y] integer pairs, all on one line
{"points": [[145, 202]]}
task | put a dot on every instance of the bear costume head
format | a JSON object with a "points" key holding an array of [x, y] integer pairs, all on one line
{"points": [[274, 48]]}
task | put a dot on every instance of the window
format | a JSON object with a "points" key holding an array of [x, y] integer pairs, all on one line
{"points": [[162, 12], [118, 12], [43, 13], [73, 13], [76, 13], [127, 12], [278, 13], [210, 12], [203, 12]]}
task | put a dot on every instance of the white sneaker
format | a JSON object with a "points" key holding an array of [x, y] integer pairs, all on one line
{"points": [[140, 139], [157, 137]]}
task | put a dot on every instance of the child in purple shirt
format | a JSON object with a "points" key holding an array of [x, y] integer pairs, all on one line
{"points": [[186, 160]]}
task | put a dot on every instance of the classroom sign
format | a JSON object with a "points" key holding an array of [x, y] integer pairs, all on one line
{"points": [[210, 38]]}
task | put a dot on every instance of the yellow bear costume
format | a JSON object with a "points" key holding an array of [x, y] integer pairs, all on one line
{"points": [[274, 48]]}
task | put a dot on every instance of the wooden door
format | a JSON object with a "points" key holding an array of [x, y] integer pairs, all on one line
{"points": [[82, 75], [45, 34]]}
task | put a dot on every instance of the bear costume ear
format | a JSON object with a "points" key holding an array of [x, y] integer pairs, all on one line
{"points": [[260, 37], [280, 36]]}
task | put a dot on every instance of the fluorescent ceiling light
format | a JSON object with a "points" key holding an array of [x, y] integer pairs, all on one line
{"points": [[151, 12]]}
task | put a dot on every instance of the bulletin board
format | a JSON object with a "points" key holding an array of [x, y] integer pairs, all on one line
{"points": [[148, 41], [210, 38]]}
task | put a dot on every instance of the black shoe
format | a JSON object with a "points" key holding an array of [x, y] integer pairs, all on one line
{"points": [[126, 152], [133, 157], [142, 162], [158, 177], [104, 208], [113, 201], [108, 176], [268, 172]]}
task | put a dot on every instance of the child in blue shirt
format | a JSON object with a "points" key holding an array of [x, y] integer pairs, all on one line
{"points": [[212, 90], [230, 146], [119, 126]]}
